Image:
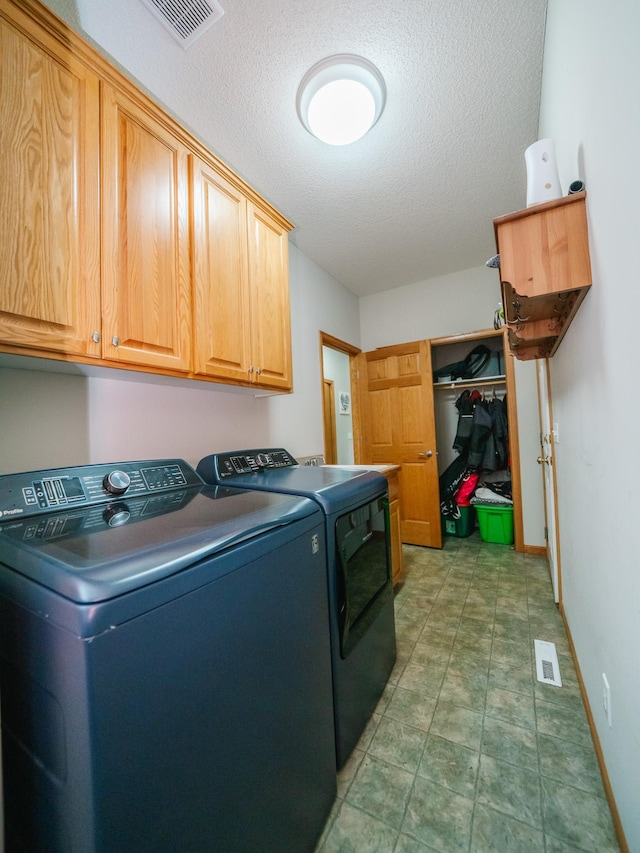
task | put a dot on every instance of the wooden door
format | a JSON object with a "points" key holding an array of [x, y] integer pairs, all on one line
{"points": [[49, 193], [399, 429], [269, 289], [222, 321], [145, 234]]}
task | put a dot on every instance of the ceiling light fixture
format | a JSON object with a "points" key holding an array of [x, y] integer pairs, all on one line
{"points": [[341, 98]]}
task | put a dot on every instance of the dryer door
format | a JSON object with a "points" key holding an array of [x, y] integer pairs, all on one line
{"points": [[364, 569]]}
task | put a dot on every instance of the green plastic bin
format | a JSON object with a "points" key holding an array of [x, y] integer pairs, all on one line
{"points": [[462, 526], [495, 523]]}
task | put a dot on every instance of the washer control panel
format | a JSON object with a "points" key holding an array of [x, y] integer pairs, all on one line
{"points": [[37, 492], [249, 461]]}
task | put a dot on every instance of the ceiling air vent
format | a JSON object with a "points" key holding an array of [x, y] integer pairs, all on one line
{"points": [[186, 20]]}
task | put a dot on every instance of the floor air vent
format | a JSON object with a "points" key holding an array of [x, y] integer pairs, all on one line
{"points": [[547, 668], [186, 20]]}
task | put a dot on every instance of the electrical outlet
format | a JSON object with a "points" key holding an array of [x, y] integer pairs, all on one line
{"points": [[606, 698]]}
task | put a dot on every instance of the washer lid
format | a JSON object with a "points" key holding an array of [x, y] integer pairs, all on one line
{"points": [[334, 489], [97, 553]]}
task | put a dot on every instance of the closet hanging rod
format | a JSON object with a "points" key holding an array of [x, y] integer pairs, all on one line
{"points": [[471, 383]]}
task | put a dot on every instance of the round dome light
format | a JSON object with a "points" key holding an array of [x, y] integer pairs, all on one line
{"points": [[341, 98]]}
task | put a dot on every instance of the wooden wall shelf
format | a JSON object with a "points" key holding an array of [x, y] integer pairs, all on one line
{"points": [[545, 272]]}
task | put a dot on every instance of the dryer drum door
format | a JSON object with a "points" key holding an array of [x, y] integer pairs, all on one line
{"points": [[364, 569]]}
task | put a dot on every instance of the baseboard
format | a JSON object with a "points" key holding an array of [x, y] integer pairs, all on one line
{"points": [[536, 550], [608, 790]]}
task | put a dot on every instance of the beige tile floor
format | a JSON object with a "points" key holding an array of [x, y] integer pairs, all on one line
{"points": [[467, 751]]}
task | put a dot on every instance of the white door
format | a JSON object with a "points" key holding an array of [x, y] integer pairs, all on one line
{"points": [[546, 460]]}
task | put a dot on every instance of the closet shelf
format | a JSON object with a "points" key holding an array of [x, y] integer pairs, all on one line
{"points": [[471, 383]]}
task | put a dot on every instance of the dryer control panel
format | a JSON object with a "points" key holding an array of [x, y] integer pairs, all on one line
{"points": [[247, 462], [37, 492]]}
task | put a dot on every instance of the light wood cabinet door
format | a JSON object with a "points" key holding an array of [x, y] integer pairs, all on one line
{"points": [[397, 567], [222, 322], [397, 561], [242, 325], [269, 289], [145, 238], [400, 429], [49, 193]]}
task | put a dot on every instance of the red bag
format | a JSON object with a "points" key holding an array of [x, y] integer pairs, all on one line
{"points": [[466, 490]]}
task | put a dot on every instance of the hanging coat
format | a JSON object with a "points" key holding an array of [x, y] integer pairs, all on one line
{"points": [[499, 457], [465, 405], [481, 432]]}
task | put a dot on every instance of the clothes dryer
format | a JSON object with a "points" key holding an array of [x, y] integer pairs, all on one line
{"points": [[361, 608]]}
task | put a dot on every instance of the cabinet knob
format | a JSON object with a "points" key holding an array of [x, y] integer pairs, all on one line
{"points": [[115, 340], [95, 337]]}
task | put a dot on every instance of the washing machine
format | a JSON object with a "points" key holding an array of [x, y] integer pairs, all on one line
{"points": [[361, 610], [164, 664]]}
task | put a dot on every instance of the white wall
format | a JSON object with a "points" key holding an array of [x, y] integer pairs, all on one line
{"points": [[49, 420], [450, 305], [318, 303], [590, 108]]}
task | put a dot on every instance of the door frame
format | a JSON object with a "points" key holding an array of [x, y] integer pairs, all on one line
{"points": [[357, 364], [327, 340], [512, 416], [329, 421], [549, 478]]}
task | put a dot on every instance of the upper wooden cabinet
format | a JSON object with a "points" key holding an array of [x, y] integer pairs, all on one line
{"points": [[124, 240], [49, 192], [241, 285], [269, 290], [145, 238], [221, 343], [545, 272]]}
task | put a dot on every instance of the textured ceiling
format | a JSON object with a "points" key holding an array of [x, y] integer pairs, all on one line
{"points": [[413, 199]]}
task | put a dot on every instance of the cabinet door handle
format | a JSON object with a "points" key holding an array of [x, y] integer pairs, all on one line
{"points": [[95, 337], [115, 340], [250, 368], [259, 371]]}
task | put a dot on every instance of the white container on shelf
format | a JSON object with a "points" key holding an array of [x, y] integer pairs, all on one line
{"points": [[543, 183]]}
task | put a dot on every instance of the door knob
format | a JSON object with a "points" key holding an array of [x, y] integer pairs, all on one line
{"points": [[426, 455], [542, 460]]}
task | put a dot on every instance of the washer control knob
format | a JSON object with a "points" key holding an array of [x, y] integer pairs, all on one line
{"points": [[116, 482], [263, 460]]}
